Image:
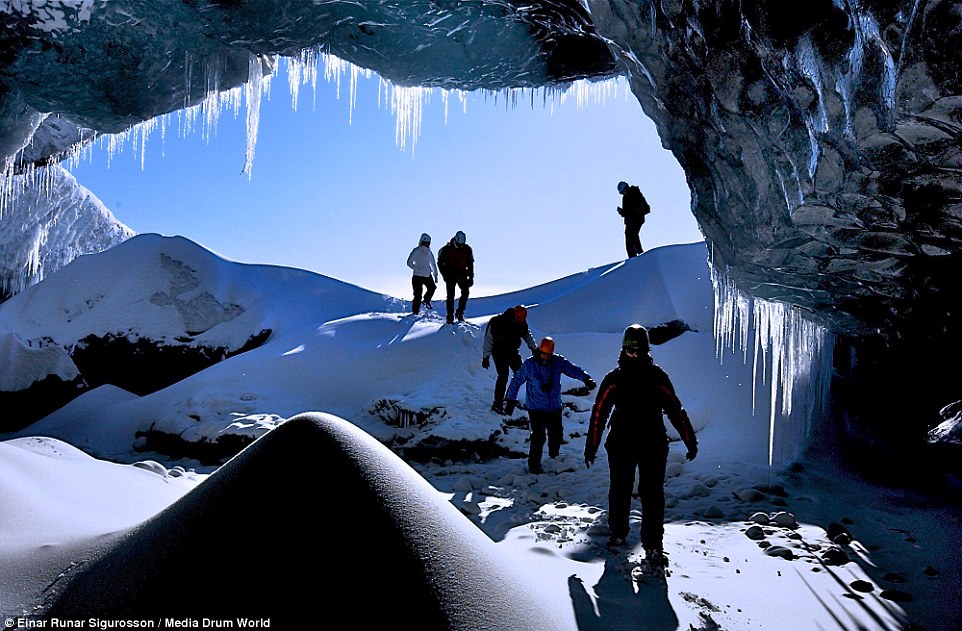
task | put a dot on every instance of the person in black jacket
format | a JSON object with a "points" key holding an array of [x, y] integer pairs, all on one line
{"points": [[456, 264], [633, 208], [502, 339], [639, 392]]}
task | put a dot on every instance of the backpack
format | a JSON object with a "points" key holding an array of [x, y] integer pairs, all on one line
{"points": [[643, 206]]}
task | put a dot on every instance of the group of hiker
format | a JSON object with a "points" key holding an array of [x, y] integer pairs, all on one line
{"points": [[455, 260], [455, 264], [631, 400]]}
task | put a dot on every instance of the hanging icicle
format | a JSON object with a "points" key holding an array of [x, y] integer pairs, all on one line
{"points": [[791, 355]]}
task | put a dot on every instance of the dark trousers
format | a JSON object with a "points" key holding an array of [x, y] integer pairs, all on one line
{"points": [[462, 299], [650, 464], [503, 362], [633, 239], [424, 288], [544, 423]]}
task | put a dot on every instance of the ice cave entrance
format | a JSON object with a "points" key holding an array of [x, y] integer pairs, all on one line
{"points": [[790, 354]]}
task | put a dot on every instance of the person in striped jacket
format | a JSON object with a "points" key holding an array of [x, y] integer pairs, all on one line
{"points": [[636, 394]]}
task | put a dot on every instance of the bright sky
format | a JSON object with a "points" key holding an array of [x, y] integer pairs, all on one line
{"points": [[332, 191]]}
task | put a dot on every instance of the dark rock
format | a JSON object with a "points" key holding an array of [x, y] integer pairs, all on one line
{"points": [[835, 556], [896, 595], [835, 529], [23, 407], [143, 366], [861, 586]]}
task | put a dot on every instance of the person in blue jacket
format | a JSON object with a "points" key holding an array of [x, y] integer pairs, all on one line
{"points": [[541, 375]]}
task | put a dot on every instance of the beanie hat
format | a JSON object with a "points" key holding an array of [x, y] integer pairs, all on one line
{"points": [[459, 237], [622, 186], [635, 341], [546, 346], [425, 239]]}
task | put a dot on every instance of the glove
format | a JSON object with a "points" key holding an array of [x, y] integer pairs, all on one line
{"points": [[590, 384], [589, 459], [509, 406], [692, 452], [485, 363]]}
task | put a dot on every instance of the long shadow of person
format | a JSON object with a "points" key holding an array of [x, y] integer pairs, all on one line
{"points": [[619, 606]]}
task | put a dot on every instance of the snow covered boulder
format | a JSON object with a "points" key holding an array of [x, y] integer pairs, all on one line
{"points": [[255, 539]]}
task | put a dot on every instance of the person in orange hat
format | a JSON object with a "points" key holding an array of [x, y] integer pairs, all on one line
{"points": [[502, 340], [541, 375]]}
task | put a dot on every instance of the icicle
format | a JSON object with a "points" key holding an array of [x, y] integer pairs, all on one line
{"points": [[791, 355], [257, 84], [405, 103]]}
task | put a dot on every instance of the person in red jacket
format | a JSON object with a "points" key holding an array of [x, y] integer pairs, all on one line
{"points": [[635, 395], [456, 263]]}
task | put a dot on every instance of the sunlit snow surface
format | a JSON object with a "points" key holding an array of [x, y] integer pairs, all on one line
{"points": [[746, 541]]}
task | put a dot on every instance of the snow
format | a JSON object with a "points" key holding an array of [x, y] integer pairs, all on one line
{"points": [[755, 525]]}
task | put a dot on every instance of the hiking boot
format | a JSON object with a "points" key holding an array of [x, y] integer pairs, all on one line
{"points": [[535, 468], [656, 556], [450, 320], [460, 317], [497, 408], [428, 305]]}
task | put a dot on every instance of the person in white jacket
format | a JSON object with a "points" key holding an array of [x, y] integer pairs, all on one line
{"points": [[425, 278]]}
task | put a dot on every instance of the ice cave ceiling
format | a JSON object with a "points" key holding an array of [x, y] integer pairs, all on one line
{"points": [[821, 139]]}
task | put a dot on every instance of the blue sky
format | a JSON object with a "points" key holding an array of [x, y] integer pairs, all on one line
{"points": [[331, 190]]}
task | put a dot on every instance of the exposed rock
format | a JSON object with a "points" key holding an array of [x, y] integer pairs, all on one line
{"points": [[780, 551], [785, 520], [949, 431], [140, 366], [143, 366], [755, 533], [835, 556], [861, 586]]}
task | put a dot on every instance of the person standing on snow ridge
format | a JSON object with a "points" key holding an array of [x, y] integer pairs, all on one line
{"points": [[502, 339], [456, 262], [541, 375], [639, 391], [425, 278], [633, 208]]}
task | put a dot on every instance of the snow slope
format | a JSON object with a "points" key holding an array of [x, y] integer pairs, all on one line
{"points": [[802, 545]]}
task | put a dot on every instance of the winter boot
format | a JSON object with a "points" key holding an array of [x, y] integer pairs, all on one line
{"points": [[656, 557]]}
